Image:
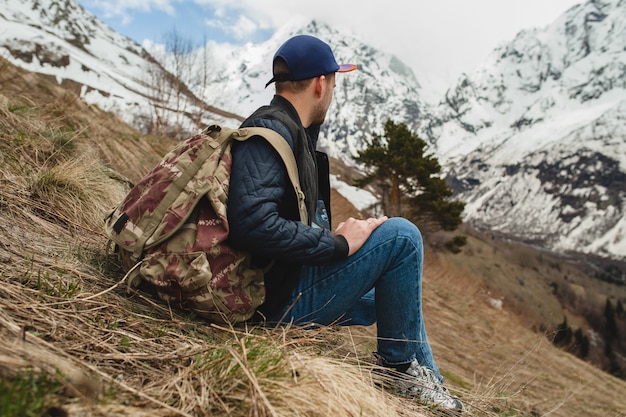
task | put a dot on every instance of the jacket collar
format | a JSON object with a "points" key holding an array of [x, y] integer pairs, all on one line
{"points": [[312, 131], [283, 103]]}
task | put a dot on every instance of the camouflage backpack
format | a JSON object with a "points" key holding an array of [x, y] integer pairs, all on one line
{"points": [[171, 228]]}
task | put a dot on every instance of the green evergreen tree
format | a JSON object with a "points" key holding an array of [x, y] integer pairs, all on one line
{"points": [[407, 176], [619, 309], [582, 343], [563, 334], [611, 322]]}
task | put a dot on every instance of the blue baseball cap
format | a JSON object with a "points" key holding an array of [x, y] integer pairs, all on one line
{"points": [[307, 57]]}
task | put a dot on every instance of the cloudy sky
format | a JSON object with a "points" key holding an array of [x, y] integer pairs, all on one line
{"points": [[438, 38]]}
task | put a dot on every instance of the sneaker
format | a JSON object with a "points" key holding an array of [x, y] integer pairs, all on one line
{"points": [[419, 383]]}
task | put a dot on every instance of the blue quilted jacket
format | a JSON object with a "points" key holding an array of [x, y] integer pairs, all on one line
{"points": [[262, 207]]}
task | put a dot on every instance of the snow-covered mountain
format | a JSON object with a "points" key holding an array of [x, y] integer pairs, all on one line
{"points": [[382, 88], [61, 39], [535, 139]]}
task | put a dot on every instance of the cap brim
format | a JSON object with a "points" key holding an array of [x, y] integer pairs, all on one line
{"points": [[346, 67]]}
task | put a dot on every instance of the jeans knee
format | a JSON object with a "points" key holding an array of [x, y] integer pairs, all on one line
{"points": [[405, 228]]}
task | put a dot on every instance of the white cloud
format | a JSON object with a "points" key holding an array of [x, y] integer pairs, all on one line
{"points": [[443, 37], [450, 36], [242, 29], [457, 33]]}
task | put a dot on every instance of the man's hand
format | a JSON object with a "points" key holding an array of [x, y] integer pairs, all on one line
{"points": [[357, 232]]}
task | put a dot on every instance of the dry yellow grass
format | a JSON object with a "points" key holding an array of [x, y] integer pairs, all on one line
{"points": [[63, 309], [64, 312]]}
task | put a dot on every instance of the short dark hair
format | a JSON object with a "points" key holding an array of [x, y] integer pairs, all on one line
{"points": [[280, 67]]}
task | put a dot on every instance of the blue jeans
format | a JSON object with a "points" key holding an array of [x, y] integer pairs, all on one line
{"points": [[381, 283]]}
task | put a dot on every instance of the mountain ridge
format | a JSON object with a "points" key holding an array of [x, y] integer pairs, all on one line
{"points": [[63, 40], [534, 140]]}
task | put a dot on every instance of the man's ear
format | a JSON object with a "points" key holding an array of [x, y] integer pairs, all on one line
{"points": [[320, 84]]}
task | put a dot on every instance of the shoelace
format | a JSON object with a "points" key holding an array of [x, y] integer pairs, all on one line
{"points": [[429, 386], [420, 382]]}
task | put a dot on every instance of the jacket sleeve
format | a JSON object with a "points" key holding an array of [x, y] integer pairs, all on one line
{"points": [[258, 185]]}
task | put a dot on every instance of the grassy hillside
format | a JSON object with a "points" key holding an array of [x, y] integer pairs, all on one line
{"points": [[73, 343], [559, 296]]}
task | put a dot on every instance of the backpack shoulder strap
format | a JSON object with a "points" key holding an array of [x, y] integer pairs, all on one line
{"points": [[282, 147]]}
